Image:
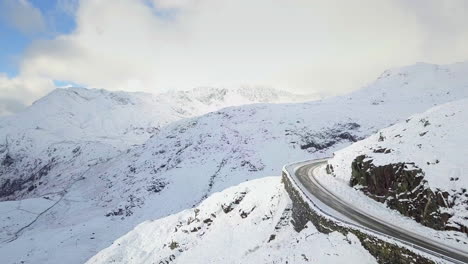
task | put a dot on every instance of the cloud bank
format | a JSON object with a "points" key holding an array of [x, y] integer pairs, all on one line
{"points": [[327, 46], [22, 15]]}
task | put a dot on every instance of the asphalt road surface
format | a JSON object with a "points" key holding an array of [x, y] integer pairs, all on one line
{"points": [[304, 173]]}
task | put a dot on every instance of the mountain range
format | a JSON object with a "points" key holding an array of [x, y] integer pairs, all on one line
{"points": [[80, 168]]}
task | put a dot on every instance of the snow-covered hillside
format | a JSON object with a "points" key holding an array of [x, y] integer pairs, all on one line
{"points": [[432, 148], [249, 223], [72, 129], [127, 118], [190, 159], [195, 157]]}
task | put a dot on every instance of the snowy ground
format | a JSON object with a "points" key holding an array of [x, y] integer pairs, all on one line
{"points": [[103, 198], [435, 141], [249, 223], [16, 214]]}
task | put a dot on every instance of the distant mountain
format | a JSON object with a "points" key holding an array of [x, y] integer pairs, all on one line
{"points": [[92, 192], [74, 128], [226, 147], [417, 167], [127, 118]]}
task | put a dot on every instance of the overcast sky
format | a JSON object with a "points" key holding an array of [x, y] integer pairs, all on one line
{"points": [[327, 46]]}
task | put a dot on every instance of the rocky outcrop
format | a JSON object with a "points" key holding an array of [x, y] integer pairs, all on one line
{"points": [[27, 183], [327, 137], [402, 187], [384, 251]]}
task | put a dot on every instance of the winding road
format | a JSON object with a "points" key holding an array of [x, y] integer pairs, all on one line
{"points": [[303, 174]]}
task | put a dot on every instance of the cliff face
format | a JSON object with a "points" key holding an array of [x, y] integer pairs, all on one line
{"points": [[402, 187], [417, 167]]}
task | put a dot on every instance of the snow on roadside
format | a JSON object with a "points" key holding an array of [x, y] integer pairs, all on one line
{"points": [[248, 223], [436, 141], [378, 210]]}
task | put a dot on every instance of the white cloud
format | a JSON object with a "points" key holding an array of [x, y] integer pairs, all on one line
{"points": [[17, 92], [174, 3], [22, 15], [330, 46], [9, 106]]}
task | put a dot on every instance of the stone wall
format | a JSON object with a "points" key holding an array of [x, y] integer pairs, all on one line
{"points": [[385, 252]]}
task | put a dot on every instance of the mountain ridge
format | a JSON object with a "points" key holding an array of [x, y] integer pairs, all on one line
{"points": [[190, 159]]}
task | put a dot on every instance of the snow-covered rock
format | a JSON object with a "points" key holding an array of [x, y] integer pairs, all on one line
{"points": [[249, 223], [190, 159], [428, 150]]}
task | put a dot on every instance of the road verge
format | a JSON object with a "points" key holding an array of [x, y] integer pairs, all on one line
{"points": [[305, 211]]}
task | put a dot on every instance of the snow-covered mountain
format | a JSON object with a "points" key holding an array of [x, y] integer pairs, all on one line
{"points": [[187, 160], [417, 167], [249, 223], [209, 153], [72, 129], [128, 118]]}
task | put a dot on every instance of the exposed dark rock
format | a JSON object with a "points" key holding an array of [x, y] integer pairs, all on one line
{"points": [[7, 161], [9, 187], [76, 151], [31, 188], [272, 237], [328, 137], [382, 150], [126, 210], [284, 219], [425, 122], [195, 229], [116, 212], [229, 207], [27, 183], [381, 137], [132, 169], [318, 146], [244, 214], [156, 186], [403, 188], [250, 166], [173, 245]]}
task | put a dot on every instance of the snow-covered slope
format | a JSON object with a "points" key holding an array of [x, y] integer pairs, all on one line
{"points": [[71, 129], [249, 223], [127, 118], [190, 159], [434, 146], [195, 157]]}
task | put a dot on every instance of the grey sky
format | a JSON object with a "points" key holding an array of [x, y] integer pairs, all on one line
{"points": [[299, 45]]}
